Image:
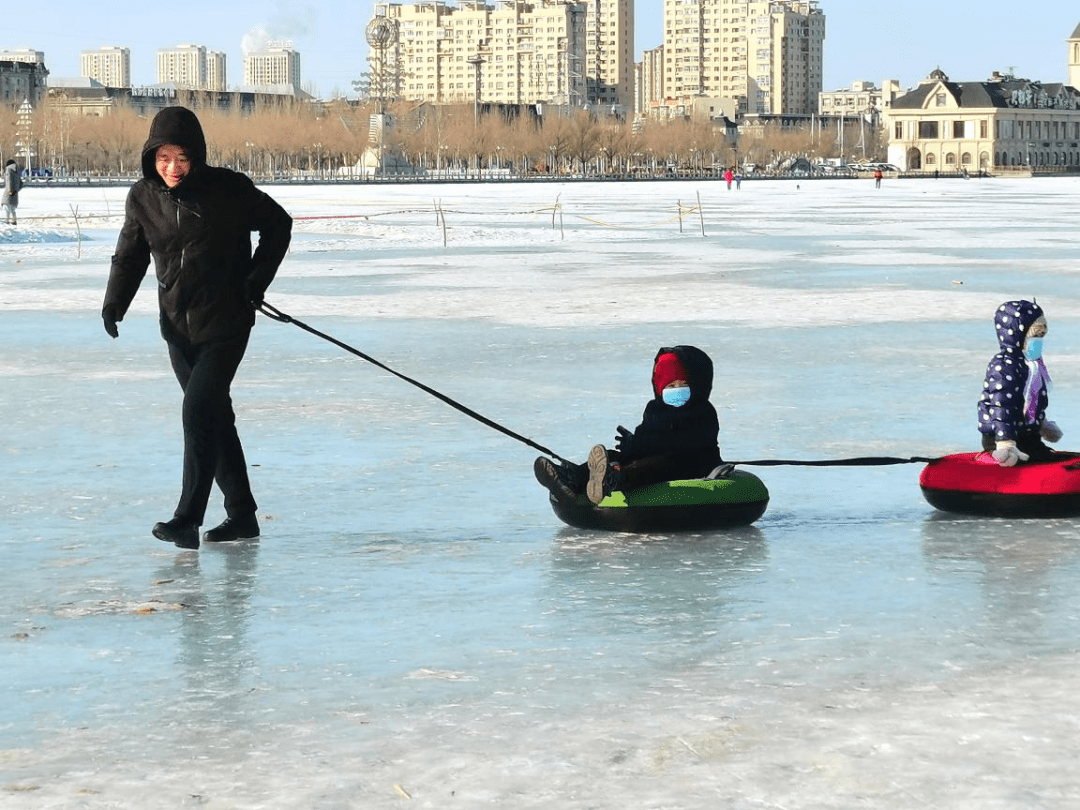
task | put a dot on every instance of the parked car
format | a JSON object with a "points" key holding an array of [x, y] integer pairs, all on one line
{"points": [[37, 171]]}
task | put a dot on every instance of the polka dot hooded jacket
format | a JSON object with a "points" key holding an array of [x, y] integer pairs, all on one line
{"points": [[1008, 405]]}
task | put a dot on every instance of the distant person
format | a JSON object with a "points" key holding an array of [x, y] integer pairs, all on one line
{"points": [[196, 221], [877, 178], [10, 197], [728, 177], [677, 437], [1012, 408], [738, 180]]}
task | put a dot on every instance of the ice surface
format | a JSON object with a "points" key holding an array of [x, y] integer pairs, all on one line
{"points": [[415, 628]]}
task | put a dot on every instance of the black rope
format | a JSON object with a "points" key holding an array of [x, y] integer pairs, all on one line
{"points": [[864, 461], [276, 314]]}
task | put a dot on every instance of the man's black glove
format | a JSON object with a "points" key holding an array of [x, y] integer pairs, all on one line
{"points": [[111, 316], [624, 441]]}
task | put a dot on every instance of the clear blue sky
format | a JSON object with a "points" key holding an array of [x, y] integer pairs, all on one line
{"points": [[968, 39]]}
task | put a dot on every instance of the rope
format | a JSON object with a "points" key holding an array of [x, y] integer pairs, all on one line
{"points": [[681, 213], [276, 314], [864, 461]]}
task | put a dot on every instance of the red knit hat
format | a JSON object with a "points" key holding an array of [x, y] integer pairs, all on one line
{"points": [[668, 368]]}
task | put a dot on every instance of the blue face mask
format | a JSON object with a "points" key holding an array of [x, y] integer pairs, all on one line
{"points": [[1033, 348], [676, 397]]}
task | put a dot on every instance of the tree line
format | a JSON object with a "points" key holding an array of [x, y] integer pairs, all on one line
{"points": [[340, 139]]}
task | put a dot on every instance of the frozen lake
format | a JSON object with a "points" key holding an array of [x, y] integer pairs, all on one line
{"points": [[415, 628]]}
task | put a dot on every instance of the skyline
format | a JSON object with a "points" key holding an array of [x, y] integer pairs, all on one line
{"points": [[966, 40]]}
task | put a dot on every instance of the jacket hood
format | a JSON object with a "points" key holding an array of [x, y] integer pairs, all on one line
{"points": [[1012, 321], [699, 371], [178, 126]]}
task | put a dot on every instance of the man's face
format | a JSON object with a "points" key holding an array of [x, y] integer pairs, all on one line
{"points": [[173, 164]]}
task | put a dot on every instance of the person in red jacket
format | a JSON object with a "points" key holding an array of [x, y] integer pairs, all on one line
{"points": [[196, 221]]}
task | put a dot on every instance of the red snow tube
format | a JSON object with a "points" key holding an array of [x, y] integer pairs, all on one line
{"points": [[975, 484]]}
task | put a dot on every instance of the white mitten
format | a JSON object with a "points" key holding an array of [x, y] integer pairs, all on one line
{"points": [[1007, 455], [1050, 431]]}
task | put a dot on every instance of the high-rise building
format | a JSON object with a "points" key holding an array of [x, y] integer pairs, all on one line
{"points": [[519, 52], [215, 71], [609, 52], [111, 66], [768, 54], [275, 65], [184, 66], [651, 83]]}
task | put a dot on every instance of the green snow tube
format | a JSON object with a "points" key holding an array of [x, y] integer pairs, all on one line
{"points": [[737, 499]]}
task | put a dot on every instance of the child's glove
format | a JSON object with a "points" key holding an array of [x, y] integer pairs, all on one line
{"points": [[624, 441], [1050, 431], [1007, 455]]}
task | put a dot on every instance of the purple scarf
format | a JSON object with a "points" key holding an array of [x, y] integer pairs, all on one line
{"points": [[1038, 380]]}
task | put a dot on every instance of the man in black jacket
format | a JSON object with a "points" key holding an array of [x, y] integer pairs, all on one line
{"points": [[196, 221]]}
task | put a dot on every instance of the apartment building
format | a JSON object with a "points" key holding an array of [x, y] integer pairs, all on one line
{"points": [[650, 86], [184, 66], [766, 54], [109, 66], [862, 99], [609, 51], [275, 65], [216, 75], [518, 52]]}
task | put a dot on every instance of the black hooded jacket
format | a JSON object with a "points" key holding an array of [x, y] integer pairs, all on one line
{"points": [[199, 234], [688, 432]]}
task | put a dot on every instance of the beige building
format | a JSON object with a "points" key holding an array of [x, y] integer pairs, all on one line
{"points": [[650, 85], [861, 99], [276, 65], [191, 67], [552, 51], [184, 66], [767, 54], [216, 76], [110, 66], [981, 126]]}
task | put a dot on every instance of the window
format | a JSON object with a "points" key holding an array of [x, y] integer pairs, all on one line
{"points": [[928, 130], [939, 99], [958, 129]]}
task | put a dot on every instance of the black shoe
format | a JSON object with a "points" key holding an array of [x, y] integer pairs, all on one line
{"points": [[557, 478], [179, 532], [603, 477], [242, 528]]}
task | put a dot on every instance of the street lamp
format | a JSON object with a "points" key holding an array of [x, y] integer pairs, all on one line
{"points": [[476, 61]]}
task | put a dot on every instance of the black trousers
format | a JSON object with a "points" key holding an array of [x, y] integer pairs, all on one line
{"points": [[657, 469], [1029, 442], [212, 450]]}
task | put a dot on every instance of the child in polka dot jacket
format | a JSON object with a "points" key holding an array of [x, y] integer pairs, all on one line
{"points": [[1012, 408]]}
